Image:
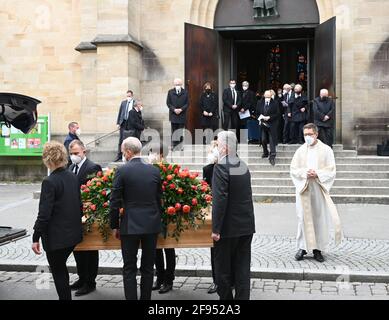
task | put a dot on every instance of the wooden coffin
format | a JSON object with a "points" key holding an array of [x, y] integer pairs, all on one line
{"points": [[200, 238]]}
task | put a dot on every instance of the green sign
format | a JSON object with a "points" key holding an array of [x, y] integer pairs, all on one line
{"points": [[13, 142]]}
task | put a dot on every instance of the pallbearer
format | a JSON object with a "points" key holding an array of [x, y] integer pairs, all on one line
{"points": [[313, 172]]}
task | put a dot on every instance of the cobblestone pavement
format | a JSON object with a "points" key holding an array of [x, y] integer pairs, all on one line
{"points": [[259, 287], [273, 252]]}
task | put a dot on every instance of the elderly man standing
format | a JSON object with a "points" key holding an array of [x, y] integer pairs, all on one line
{"points": [[233, 223], [324, 110], [178, 103], [137, 186], [313, 173]]}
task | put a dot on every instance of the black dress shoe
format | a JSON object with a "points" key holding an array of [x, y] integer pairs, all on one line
{"points": [[166, 288], [85, 290], [272, 161], [212, 289], [318, 256], [265, 156], [76, 285], [156, 286], [300, 255]]}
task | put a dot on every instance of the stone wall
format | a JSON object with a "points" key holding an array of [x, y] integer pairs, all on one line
{"points": [[139, 44]]}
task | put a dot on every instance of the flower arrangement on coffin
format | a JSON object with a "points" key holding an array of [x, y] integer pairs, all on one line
{"points": [[95, 196], [185, 199]]}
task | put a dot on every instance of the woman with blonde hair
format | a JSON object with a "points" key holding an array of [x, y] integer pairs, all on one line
{"points": [[59, 218]]}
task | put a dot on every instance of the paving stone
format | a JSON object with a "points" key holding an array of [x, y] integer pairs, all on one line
{"points": [[286, 285]]}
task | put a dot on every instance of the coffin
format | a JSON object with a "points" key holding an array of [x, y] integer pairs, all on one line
{"points": [[200, 238]]}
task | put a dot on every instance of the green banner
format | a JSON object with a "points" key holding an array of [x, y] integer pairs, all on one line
{"points": [[13, 142]]}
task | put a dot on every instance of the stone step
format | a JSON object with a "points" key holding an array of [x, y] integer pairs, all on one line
{"points": [[338, 199], [257, 153], [285, 167], [338, 182], [334, 191], [279, 160], [280, 147]]}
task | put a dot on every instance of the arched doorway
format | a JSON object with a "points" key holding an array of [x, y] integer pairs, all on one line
{"points": [[291, 46]]}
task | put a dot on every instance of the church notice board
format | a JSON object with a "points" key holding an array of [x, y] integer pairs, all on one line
{"points": [[13, 142]]}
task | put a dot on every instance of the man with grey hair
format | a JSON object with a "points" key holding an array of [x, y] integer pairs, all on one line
{"points": [[137, 188], [178, 103], [323, 113], [233, 223]]}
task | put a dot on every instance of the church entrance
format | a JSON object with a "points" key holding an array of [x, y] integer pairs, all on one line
{"points": [[292, 47]]}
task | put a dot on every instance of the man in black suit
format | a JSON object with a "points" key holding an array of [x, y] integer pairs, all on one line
{"points": [[324, 111], [233, 223], [299, 111], [287, 94], [87, 261], [178, 103], [135, 120], [249, 102], [137, 186], [268, 111], [232, 102], [122, 120]]}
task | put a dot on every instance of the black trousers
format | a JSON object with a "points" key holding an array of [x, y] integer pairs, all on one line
{"points": [[297, 132], [231, 121], [208, 133], [130, 246], [326, 135], [269, 136], [121, 138], [286, 136], [57, 262], [178, 129], [232, 267], [213, 264], [87, 266], [165, 275]]}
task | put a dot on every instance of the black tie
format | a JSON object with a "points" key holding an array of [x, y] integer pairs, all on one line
{"points": [[233, 95], [76, 170], [267, 107]]}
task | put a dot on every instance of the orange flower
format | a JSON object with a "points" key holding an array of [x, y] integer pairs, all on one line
{"points": [[186, 209], [93, 207]]}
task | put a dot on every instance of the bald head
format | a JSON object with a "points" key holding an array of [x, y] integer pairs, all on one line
{"points": [[298, 88], [323, 93], [177, 82]]}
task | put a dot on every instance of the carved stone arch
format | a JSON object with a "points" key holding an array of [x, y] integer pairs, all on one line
{"points": [[203, 11]]}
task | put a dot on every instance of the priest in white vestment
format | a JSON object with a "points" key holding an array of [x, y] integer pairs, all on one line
{"points": [[313, 172]]}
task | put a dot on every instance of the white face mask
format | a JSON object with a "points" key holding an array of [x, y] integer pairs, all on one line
{"points": [[267, 99], [245, 88], [129, 99], [140, 108], [124, 159], [75, 159], [309, 140], [178, 88], [232, 86], [213, 156], [78, 132]]}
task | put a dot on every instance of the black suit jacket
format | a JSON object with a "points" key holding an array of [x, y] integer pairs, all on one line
{"points": [[232, 204], [59, 217], [321, 108], [136, 123], [121, 120], [249, 101], [87, 169], [177, 101], [138, 186], [273, 111], [295, 105], [228, 102], [208, 173]]}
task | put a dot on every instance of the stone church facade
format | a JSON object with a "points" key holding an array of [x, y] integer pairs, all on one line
{"points": [[80, 56]]}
